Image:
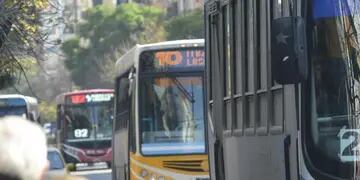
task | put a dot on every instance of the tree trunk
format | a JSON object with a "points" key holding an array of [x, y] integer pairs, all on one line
{"points": [[4, 31]]}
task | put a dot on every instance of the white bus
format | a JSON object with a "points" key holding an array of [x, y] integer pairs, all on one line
{"points": [[159, 127], [19, 105]]}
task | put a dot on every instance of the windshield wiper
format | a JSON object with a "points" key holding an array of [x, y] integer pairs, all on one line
{"points": [[183, 90]]}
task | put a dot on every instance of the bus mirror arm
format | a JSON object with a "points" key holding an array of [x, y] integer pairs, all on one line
{"points": [[131, 82], [289, 50]]}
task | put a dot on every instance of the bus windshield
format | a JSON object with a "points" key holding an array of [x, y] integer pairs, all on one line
{"points": [[172, 115], [89, 121], [13, 106], [14, 110], [335, 125]]}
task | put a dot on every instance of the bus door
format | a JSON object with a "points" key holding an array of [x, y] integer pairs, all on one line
{"points": [[121, 128]]}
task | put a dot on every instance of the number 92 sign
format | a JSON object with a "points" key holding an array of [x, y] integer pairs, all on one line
{"points": [[81, 133]]}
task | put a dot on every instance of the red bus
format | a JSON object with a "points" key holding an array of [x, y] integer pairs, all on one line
{"points": [[84, 127]]}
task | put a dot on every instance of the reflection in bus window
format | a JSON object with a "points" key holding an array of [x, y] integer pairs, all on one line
{"points": [[172, 116], [104, 118]]}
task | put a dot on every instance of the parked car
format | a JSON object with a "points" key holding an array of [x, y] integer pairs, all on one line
{"points": [[57, 166]]}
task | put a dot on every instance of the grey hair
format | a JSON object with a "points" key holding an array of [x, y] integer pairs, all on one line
{"points": [[23, 149]]}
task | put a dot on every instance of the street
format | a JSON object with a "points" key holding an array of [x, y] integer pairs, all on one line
{"points": [[94, 174]]}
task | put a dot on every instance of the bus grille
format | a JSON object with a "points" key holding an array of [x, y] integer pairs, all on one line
{"points": [[191, 165]]}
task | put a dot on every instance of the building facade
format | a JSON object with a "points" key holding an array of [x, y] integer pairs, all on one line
{"points": [[74, 13]]}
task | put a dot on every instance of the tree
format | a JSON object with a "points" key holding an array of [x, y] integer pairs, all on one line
{"points": [[104, 36], [189, 25], [44, 85], [47, 111], [21, 35]]}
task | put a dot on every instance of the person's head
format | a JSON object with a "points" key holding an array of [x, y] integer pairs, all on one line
{"points": [[23, 149]]}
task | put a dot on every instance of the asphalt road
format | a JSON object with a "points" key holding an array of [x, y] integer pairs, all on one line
{"points": [[94, 174]]}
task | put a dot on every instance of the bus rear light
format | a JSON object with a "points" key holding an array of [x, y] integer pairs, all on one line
{"points": [[153, 177]]}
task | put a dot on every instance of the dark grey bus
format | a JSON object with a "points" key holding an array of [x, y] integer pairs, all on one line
{"points": [[283, 89]]}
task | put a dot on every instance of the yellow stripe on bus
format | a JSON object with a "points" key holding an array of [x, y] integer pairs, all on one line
{"points": [[168, 166]]}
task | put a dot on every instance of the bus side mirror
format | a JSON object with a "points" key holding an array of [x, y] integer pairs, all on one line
{"points": [[288, 50]]}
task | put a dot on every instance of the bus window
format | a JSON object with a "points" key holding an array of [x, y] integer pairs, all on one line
{"points": [[17, 111], [132, 126], [122, 103], [13, 106]]}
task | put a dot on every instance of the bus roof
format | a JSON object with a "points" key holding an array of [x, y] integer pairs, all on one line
{"points": [[128, 60], [28, 99], [61, 98]]}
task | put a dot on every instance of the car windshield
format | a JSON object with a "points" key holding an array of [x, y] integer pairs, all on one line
{"points": [[335, 125], [55, 160], [172, 116]]}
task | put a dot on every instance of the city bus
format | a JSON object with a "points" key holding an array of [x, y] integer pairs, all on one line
{"points": [[159, 128], [283, 89], [84, 127], [19, 105]]}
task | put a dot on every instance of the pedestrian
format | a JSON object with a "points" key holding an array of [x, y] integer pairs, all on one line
{"points": [[23, 150]]}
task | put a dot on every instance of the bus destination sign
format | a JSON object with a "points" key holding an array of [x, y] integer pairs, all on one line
{"points": [[90, 98], [172, 60], [99, 97]]}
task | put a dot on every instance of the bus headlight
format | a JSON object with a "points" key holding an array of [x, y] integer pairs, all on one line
{"points": [[153, 177], [144, 173]]}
